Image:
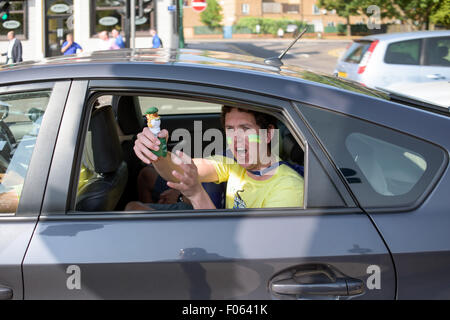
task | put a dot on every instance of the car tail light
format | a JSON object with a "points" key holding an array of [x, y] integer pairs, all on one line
{"points": [[366, 57]]}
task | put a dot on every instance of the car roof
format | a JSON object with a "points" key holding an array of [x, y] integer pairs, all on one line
{"points": [[389, 37], [150, 63]]}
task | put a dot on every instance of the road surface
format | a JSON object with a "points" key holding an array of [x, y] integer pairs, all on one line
{"points": [[316, 55]]}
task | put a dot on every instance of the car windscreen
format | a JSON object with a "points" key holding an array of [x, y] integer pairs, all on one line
{"points": [[356, 51]]}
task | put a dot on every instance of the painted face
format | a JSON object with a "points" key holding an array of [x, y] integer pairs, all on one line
{"points": [[244, 138]]}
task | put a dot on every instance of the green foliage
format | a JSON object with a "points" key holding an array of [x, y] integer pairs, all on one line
{"points": [[268, 26], [344, 8], [416, 13], [212, 15], [442, 15], [341, 28]]}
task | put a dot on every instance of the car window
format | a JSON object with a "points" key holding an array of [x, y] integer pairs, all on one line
{"points": [[403, 52], [437, 51], [108, 159], [175, 106], [357, 51], [20, 119], [382, 167]]}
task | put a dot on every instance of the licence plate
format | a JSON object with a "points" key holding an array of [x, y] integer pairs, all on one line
{"points": [[342, 74]]}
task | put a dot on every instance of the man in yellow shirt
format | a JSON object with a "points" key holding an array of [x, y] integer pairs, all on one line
{"points": [[255, 177]]}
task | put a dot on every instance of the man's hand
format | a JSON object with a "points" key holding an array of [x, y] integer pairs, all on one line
{"points": [[188, 182], [147, 141]]}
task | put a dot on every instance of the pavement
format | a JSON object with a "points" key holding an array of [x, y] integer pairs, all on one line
{"points": [[315, 55]]}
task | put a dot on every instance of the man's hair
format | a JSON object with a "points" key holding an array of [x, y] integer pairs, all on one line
{"points": [[12, 32], [263, 120]]}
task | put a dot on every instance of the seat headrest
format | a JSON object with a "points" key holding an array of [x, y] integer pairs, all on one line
{"points": [[106, 147], [290, 149], [128, 114]]}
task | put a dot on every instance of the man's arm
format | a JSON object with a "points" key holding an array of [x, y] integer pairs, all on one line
{"points": [[66, 46], [147, 141]]}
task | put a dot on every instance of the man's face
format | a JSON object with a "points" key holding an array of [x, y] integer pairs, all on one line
{"points": [[152, 33], [69, 38], [244, 137], [10, 36], [115, 33]]}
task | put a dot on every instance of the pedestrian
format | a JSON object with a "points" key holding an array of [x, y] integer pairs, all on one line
{"points": [[156, 42], [280, 33], [69, 46], [14, 53], [119, 40], [106, 43]]}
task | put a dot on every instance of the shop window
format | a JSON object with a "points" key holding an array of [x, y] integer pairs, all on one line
{"points": [[108, 15], [16, 21]]}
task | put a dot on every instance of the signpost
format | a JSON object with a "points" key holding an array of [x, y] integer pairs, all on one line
{"points": [[198, 5]]}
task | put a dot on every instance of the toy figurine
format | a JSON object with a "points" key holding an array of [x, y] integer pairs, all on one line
{"points": [[154, 124]]}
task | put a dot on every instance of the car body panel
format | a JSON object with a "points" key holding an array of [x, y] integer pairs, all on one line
{"points": [[218, 257], [16, 229]]}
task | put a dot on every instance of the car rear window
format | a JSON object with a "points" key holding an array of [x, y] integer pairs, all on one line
{"points": [[383, 167], [403, 52], [356, 51]]}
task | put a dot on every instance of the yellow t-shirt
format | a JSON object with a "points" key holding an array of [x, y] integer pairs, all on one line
{"points": [[283, 189]]}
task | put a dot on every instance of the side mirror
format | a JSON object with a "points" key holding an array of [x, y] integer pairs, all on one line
{"points": [[34, 114]]}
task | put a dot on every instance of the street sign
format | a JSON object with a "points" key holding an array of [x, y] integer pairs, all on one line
{"points": [[198, 5]]}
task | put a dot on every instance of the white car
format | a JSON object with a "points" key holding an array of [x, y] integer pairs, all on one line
{"points": [[385, 59]]}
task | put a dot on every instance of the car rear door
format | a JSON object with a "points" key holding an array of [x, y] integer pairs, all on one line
{"points": [[29, 123], [329, 249]]}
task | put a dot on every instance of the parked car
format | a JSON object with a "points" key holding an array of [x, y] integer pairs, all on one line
{"points": [[384, 59], [375, 216]]}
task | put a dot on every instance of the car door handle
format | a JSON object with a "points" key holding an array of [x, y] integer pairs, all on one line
{"points": [[341, 287], [435, 76], [5, 293]]}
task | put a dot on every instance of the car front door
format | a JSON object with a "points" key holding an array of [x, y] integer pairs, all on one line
{"points": [[327, 249], [29, 119]]}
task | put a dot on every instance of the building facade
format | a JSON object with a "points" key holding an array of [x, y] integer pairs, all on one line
{"points": [[42, 25], [304, 10]]}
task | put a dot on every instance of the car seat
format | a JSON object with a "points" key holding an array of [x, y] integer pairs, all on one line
{"points": [[103, 189], [131, 122]]}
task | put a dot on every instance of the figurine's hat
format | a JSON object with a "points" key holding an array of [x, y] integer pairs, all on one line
{"points": [[151, 110]]}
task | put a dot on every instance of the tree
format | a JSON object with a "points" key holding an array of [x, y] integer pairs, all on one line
{"points": [[344, 8], [212, 15], [442, 15], [414, 13]]}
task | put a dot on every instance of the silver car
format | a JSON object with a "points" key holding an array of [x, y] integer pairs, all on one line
{"points": [[378, 61]]}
